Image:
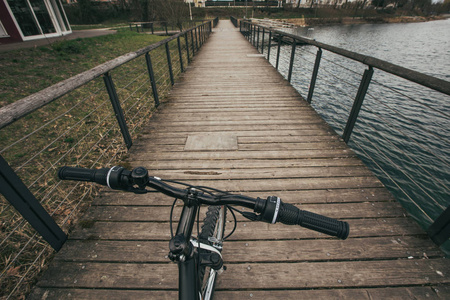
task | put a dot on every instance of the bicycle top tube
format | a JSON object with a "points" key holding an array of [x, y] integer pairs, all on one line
{"points": [[270, 210]]}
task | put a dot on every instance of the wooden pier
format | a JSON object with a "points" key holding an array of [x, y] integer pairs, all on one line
{"points": [[232, 122]]}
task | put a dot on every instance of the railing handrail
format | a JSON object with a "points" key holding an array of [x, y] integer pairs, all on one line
{"points": [[20, 108], [415, 76]]}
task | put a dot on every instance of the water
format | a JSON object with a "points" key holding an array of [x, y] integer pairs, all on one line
{"points": [[403, 129]]}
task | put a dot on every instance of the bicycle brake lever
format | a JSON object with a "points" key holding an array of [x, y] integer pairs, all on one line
{"points": [[137, 190], [251, 216]]}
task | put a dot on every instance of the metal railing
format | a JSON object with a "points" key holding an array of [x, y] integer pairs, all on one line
{"points": [[89, 120], [344, 68]]}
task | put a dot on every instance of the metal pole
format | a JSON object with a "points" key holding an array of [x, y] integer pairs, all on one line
{"points": [[180, 54], [152, 78], [187, 47], [17, 193], [262, 44], [314, 75], [196, 39], [279, 49], [439, 231], [363, 87], [270, 45], [192, 42], [169, 63], [291, 63], [117, 109], [257, 41]]}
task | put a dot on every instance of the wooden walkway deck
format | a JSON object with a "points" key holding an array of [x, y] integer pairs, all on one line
{"points": [[262, 139]]}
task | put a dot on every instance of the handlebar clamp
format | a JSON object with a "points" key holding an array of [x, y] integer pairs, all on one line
{"points": [[268, 209]]}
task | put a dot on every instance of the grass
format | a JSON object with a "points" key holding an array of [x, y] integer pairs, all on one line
{"points": [[38, 68]]}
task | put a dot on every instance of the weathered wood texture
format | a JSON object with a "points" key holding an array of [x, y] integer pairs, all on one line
{"points": [[270, 142]]}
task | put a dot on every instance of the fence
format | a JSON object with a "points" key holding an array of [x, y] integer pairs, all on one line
{"points": [[392, 139], [88, 120]]}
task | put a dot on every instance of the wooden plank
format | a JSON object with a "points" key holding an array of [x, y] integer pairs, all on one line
{"points": [[246, 231], [261, 173], [295, 197], [161, 213], [241, 251], [209, 144], [299, 132], [414, 292], [236, 127], [226, 155], [243, 164], [253, 275], [338, 275], [100, 294]]}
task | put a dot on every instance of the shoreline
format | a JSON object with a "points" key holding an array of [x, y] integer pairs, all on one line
{"points": [[304, 22]]}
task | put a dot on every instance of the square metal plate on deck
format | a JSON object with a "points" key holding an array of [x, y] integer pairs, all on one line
{"points": [[211, 141]]}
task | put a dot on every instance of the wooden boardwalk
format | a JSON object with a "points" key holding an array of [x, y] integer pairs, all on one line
{"points": [[232, 122]]}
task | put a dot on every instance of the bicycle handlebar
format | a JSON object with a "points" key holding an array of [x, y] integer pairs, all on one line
{"points": [[270, 210]]}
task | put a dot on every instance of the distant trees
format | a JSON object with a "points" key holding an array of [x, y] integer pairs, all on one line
{"points": [[174, 12]]}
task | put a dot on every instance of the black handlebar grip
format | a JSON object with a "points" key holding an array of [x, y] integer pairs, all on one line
{"points": [[291, 215], [81, 174]]}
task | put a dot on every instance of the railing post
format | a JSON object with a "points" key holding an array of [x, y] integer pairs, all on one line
{"points": [[254, 35], [151, 26], [17, 193], [262, 44], [439, 231], [291, 63], [257, 41], [363, 87], [152, 78], [187, 47], [180, 54], [279, 49], [192, 42], [117, 108], [169, 63], [314, 75], [196, 39], [270, 45]]}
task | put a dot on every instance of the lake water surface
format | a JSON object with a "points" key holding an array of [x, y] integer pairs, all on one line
{"points": [[403, 129]]}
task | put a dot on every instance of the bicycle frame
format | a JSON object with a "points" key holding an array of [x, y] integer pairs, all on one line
{"points": [[183, 253]]}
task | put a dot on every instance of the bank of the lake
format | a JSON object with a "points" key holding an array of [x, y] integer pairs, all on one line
{"points": [[361, 20]]}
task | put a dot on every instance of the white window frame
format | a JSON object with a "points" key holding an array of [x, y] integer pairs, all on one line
{"points": [[53, 17]]}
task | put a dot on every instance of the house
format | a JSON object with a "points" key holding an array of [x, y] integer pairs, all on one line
{"points": [[24, 20]]}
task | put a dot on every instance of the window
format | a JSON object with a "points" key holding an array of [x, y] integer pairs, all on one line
{"points": [[3, 32]]}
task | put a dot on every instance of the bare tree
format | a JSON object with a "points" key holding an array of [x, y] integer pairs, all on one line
{"points": [[174, 12]]}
